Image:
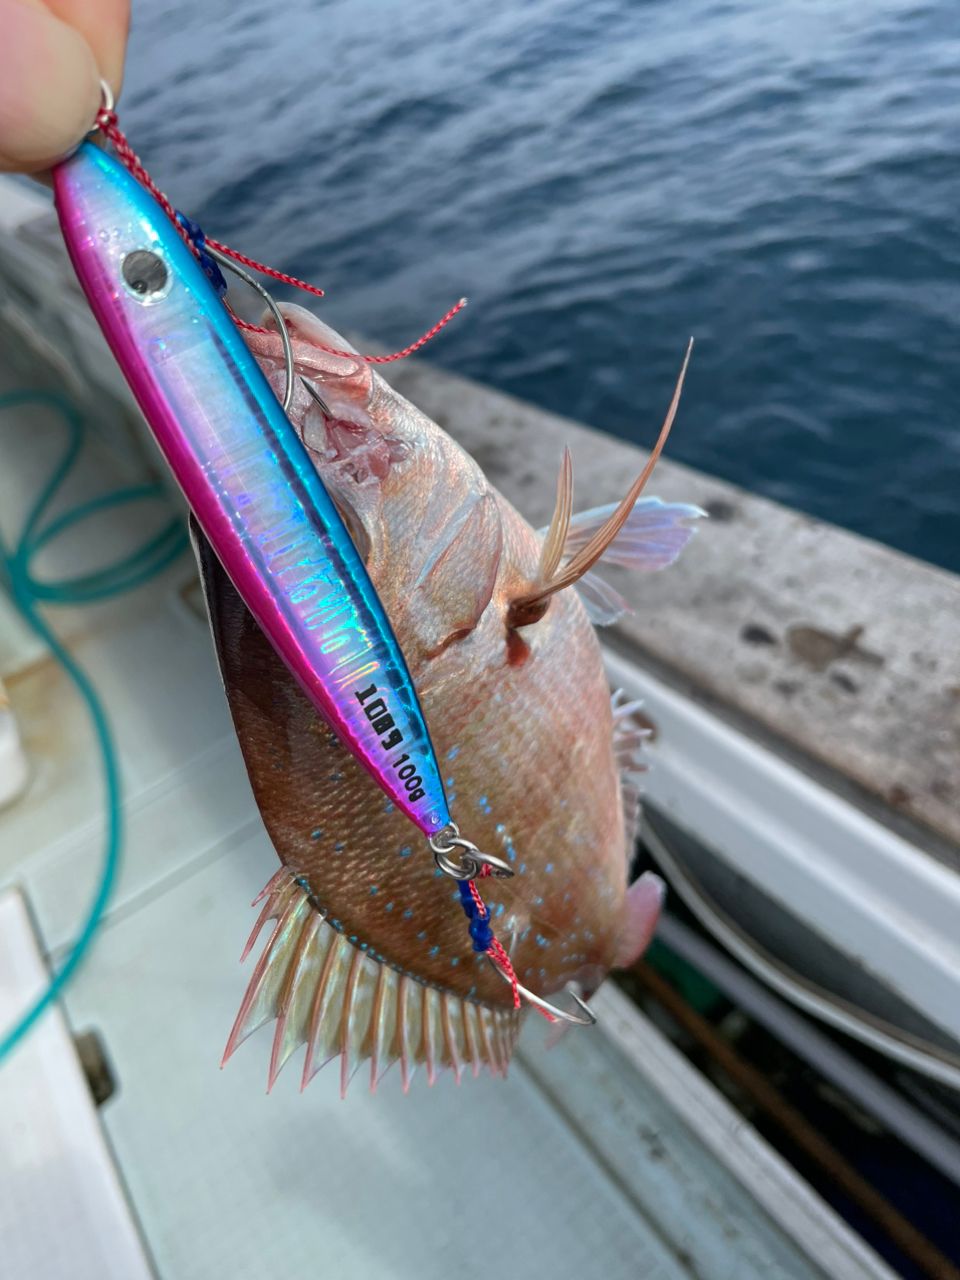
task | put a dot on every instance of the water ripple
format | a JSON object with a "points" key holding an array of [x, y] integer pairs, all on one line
{"points": [[602, 180]]}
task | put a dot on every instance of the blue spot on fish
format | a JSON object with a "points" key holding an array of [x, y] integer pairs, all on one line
{"points": [[453, 753], [315, 835], [373, 890], [549, 868], [388, 907], [408, 914], [422, 934], [406, 851], [339, 847], [434, 951]]}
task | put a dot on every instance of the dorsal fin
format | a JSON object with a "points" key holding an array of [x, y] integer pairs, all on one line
{"points": [[531, 605], [328, 994]]}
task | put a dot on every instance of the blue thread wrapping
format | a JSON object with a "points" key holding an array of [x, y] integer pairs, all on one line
{"points": [[208, 265], [480, 930]]}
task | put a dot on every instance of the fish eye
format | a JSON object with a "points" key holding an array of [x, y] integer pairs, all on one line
{"points": [[145, 274]]}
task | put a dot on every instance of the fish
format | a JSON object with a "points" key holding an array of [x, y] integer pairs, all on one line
{"points": [[367, 960]]}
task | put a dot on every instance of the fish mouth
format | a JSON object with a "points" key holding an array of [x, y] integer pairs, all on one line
{"points": [[327, 993], [332, 398], [340, 374], [343, 438]]}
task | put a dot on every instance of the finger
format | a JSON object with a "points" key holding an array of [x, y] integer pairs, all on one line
{"points": [[49, 87], [104, 26]]}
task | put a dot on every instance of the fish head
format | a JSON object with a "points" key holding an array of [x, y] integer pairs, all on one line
{"points": [[418, 508]]}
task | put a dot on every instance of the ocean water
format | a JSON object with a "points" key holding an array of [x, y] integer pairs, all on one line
{"points": [[604, 178]]}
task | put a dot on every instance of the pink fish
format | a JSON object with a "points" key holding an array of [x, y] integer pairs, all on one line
{"points": [[368, 956]]}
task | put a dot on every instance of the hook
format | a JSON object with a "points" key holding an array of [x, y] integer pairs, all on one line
{"points": [[315, 395], [442, 845], [275, 311], [589, 1018]]}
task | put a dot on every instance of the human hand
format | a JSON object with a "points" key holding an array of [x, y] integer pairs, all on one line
{"points": [[53, 54]]}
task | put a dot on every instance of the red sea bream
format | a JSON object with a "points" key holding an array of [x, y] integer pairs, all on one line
{"points": [[368, 957]]}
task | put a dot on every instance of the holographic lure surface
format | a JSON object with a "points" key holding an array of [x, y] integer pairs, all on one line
{"points": [[246, 475]]}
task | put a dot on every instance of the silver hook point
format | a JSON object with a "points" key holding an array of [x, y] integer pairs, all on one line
{"points": [[589, 1018], [315, 395]]}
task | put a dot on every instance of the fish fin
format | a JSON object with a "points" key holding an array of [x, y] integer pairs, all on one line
{"points": [[555, 536], [628, 740], [644, 903], [455, 583], [325, 992], [531, 605], [652, 538], [604, 604]]}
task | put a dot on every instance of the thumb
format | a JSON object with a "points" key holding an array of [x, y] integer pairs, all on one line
{"points": [[49, 87]]}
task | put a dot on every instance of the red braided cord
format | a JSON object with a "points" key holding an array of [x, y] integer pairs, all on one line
{"points": [[335, 351], [107, 123], [422, 340], [262, 266], [496, 951]]}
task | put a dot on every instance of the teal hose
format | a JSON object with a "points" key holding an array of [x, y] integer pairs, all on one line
{"points": [[27, 592]]}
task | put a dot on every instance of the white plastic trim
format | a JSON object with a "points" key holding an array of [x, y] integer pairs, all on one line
{"points": [[886, 903]]}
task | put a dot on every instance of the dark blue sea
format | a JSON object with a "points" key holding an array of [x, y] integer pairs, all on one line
{"points": [[603, 178]]}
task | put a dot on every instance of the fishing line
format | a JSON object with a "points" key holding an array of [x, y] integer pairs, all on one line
{"points": [[28, 590], [108, 125]]}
